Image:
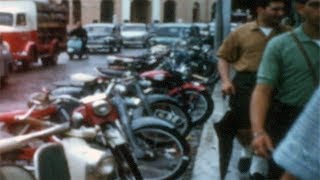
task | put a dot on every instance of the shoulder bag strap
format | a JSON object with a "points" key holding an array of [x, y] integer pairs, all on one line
{"points": [[307, 58]]}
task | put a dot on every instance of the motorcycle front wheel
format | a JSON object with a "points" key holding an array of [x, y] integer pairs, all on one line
{"points": [[169, 152]]}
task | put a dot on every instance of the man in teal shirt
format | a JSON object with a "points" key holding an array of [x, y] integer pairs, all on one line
{"points": [[284, 68]]}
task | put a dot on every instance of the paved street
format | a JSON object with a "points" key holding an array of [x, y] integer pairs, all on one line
{"points": [[22, 84]]}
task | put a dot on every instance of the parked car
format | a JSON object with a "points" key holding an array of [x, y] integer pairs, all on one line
{"points": [[6, 61], [204, 29], [134, 34], [103, 37], [169, 33]]}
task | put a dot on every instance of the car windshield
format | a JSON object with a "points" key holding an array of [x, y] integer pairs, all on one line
{"points": [[6, 19], [133, 28], [99, 30], [171, 31]]}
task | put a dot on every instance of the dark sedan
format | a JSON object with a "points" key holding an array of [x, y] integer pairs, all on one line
{"points": [[103, 37]]}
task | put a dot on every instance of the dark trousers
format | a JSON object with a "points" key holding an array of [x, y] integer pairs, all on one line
{"points": [[235, 119], [280, 119]]}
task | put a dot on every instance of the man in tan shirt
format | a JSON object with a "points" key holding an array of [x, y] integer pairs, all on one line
{"points": [[242, 50]]}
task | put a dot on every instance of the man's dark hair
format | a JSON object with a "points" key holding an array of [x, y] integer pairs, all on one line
{"points": [[265, 3], [301, 1]]}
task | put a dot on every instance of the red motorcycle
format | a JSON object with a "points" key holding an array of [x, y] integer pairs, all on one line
{"points": [[93, 111], [193, 95]]}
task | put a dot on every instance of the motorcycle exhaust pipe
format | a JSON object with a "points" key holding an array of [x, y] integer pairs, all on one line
{"points": [[17, 142], [200, 77]]}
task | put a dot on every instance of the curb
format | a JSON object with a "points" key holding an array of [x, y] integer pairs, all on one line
{"points": [[207, 159]]}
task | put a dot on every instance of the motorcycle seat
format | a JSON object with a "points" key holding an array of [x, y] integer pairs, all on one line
{"points": [[111, 72]]}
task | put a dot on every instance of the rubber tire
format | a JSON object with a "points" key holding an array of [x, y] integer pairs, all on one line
{"points": [[139, 112], [210, 107], [185, 159]]}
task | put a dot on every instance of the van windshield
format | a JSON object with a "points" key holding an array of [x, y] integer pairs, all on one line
{"points": [[6, 19]]}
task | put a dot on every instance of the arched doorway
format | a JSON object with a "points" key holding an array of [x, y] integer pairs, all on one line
{"points": [[140, 11], [76, 10], [106, 10], [169, 14], [213, 11], [196, 12]]}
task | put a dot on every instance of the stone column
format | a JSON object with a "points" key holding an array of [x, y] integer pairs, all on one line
{"points": [[126, 10], [156, 4], [118, 10], [70, 15]]}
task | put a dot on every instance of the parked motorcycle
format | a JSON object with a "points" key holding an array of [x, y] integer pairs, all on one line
{"points": [[158, 105], [49, 160], [165, 153], [107, 133], [161, 151], [177, 81]]}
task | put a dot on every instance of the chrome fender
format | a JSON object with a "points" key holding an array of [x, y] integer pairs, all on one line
{"points": [[150, 121]]}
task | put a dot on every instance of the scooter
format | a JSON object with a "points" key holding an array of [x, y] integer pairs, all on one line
{"points": [[74, 48]]}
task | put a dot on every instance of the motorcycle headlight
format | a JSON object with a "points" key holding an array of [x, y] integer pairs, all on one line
{"points": [[77, 119], [101, 107]]}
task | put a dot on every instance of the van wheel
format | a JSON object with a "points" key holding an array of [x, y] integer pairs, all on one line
{"points": [[45, 62], [25, 65], [71, 56], [52, 60]]}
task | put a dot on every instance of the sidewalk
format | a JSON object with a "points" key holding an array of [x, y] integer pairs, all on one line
{"points": [[206, 165]]}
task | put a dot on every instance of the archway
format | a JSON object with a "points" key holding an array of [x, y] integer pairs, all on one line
{"points": [[140, 11], [169, 14], [76, 10], [213, 11], [196, 12], [106, 10]]}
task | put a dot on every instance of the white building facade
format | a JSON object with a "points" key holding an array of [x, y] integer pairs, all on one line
{"points": [[145, 11]]}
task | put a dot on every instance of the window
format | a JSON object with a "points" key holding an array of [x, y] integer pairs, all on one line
{"points": [[21, 20], [6, 19]]}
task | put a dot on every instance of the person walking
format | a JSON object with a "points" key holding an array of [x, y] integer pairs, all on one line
{"points": [[242, 50], [286, 79], [298, 153]]}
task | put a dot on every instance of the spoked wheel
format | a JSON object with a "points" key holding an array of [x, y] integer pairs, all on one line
{"points": [[170, 152], [174, 114], [199, 104]]}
